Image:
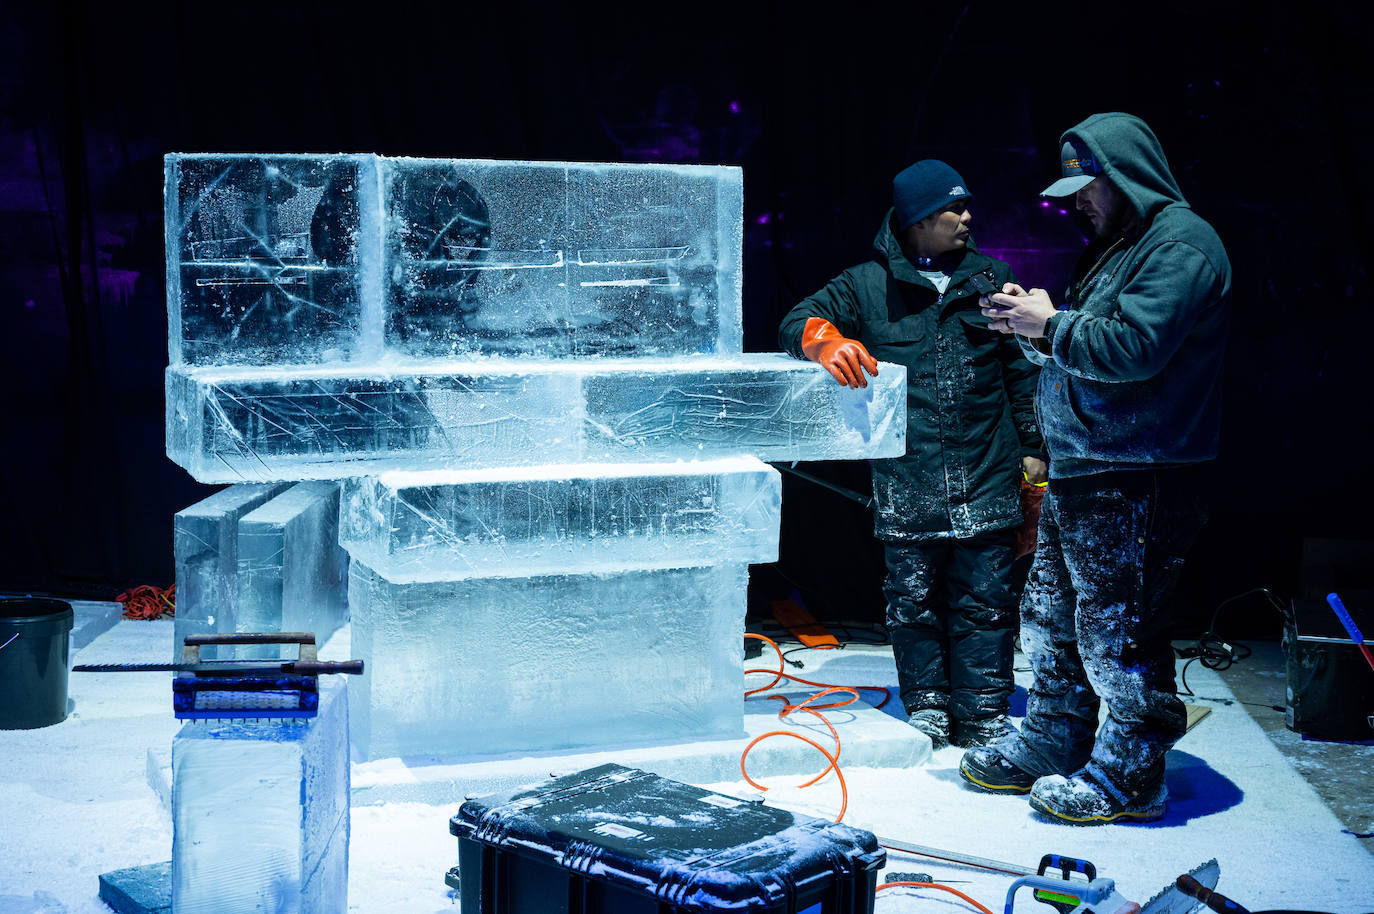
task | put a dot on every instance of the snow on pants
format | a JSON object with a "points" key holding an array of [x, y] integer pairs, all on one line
{"points": [[951, 615], [1095, 625]]}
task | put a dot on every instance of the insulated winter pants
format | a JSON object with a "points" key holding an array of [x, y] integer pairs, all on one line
{"points": [[951, 616], [1095, 625]]}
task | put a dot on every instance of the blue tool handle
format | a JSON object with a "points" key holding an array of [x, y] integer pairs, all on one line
{"points": [[1341, 613]]}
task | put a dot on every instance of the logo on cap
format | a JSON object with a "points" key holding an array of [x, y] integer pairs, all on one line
{"points": [[1079, 165], [958, 191]]}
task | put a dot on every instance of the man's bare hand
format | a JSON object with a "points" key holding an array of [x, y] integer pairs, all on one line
{"points": [[1037, 472], [1015, 310]]}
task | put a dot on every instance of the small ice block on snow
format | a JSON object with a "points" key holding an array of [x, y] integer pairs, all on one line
{"points": [[260, 813]]}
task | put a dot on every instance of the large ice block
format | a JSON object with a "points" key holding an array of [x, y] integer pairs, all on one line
{"points": [[245, 424], [294, 259], [292, 573], [205, 543], [555, 259], [453, 524], [272, 259], [494, 665], [260, 813]]}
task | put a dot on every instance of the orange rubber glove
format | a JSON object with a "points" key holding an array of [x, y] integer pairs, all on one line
{"points": [[844, 358]]}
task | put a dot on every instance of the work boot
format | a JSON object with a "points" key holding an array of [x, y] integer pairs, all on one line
{"points": [[1081, 799], [986, 769], [933, 722], [981, 731]]}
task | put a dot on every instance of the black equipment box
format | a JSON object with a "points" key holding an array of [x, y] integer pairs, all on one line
{"points": [[1330, 684], [616, 840]]}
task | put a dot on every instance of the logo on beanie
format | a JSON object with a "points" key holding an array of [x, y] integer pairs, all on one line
{"points": [[958, 191]]}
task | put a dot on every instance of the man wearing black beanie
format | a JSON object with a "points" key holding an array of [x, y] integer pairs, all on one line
{"points": [[946, 511]]}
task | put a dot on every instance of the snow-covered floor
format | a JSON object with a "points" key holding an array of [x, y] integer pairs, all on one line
{"points": [[75, 802]]}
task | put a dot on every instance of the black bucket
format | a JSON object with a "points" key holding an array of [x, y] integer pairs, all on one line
{"points": [[34, 636]]}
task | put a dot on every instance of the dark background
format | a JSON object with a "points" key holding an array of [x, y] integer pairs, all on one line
{"points": [[1263, 108]]}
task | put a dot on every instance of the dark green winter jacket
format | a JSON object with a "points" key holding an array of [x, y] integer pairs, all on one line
{"points": [[969, 409], [1133, 377]]}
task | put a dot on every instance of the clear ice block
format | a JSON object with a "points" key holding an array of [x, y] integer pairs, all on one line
{"points": [[260, 813], [241, 424], [205, 543], [272, 259], [292, 573], [556, 259], [299, 260], [452, 524], [494, 665]]}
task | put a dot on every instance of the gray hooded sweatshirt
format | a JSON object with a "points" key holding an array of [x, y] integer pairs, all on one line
{"points": [[1133, 378]]}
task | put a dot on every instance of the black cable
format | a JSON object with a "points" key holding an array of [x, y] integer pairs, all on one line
{"points": [[1216, 653]]}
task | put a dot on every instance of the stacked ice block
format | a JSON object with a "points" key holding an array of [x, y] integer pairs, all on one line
{"points": [[260, 813], [256, 557], [531, 377]]}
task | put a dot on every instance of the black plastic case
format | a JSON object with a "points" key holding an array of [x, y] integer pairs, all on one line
{"points": [[616, 840], [1330, 684]]}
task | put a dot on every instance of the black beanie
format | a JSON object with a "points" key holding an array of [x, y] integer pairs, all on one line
{"points": [[923, 188]]}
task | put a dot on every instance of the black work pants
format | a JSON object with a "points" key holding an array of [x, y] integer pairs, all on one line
{"points": [[951, 616], [1095, 625]]}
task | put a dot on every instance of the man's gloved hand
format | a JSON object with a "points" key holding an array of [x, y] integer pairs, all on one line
{"points": [[844, 358]]}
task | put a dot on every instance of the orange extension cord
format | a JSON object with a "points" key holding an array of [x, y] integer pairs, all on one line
{"points": [[832, 758], [148, 602]]}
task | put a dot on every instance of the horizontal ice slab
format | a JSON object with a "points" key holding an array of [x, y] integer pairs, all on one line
{"points": [[497, 665], [453, 524], [240, 424], [296, 259], [260, 813]]}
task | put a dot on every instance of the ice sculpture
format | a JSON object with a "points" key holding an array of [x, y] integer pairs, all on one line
{"points": [[260, 813], [530, 375], [205, 544]]}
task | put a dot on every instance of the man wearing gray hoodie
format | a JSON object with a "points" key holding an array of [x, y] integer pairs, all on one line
{"points": [[1129, 402]]}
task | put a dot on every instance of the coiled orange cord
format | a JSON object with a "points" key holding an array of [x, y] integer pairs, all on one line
{"points": [[814, 710], [832, 758], [148, 602]]}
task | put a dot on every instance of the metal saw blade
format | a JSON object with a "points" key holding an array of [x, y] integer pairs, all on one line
{"points": [[1172, 900]]}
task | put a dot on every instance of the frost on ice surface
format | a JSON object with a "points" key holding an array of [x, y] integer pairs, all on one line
{"points": [[547, 260], [268, 257], [448, 525]]}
